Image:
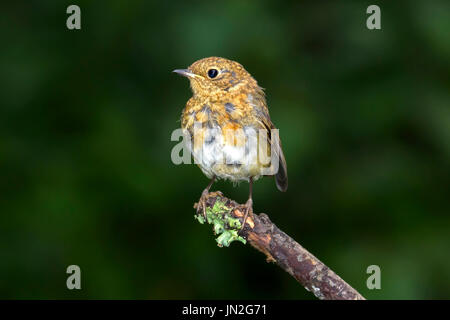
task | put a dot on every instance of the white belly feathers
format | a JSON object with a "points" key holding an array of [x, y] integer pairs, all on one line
{"points": [[229, 155]]}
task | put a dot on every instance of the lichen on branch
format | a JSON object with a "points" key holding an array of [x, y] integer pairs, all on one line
{"points": [[225, 226]]}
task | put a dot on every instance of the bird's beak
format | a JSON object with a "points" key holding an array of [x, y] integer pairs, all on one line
{"points": [[185, 73]]}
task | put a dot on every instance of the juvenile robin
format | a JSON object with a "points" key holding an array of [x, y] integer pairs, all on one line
{"points": [[228, 127]]}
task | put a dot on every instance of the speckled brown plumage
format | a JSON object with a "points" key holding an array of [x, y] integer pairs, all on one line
{"points": [[228, 99]]}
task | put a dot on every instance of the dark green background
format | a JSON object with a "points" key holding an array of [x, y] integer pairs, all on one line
{"points": [[85, 124]]}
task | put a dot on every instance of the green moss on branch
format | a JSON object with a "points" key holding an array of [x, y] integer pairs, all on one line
{"points": [[225, 226]]}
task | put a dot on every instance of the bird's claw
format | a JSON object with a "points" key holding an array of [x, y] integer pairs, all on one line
{"points": [[202, 203], [248, 211]]}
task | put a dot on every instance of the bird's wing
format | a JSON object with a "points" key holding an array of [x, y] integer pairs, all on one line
{"points": [[261, 113]]}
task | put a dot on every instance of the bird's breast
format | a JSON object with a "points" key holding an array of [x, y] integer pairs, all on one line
{"points": [[222, 146]]}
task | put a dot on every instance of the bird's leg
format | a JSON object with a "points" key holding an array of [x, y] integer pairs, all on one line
{"points": [[202, 201], [248, 204]]}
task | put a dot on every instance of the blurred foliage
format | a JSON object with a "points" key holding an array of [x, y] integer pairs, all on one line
{"points": [[85, 124]]}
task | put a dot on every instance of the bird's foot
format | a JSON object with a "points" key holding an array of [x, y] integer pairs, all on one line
{"points": [[201, 205], [248, 211]]}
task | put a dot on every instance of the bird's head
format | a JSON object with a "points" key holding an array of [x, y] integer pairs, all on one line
{"points": [[214, 74]]}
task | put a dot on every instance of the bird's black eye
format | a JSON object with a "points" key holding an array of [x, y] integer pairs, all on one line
{"points": [[212, 73]]}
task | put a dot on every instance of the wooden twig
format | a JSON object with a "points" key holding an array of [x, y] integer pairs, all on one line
{"points": [[277, 246]]}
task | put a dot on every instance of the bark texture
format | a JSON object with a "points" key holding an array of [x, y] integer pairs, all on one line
{"points": [[278, 247]]}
